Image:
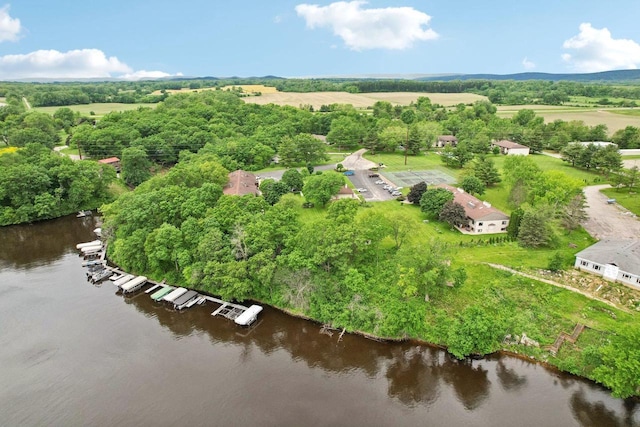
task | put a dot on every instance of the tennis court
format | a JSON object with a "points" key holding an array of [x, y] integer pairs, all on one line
{"points": [[410, 178]]}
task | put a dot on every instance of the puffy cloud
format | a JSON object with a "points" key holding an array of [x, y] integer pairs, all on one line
{"points": [[74, 64], [595, 50], [360, 28], [528, 65], [9, 27]]}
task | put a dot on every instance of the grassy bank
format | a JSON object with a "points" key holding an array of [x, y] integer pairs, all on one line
{"points": [[625, 197]]}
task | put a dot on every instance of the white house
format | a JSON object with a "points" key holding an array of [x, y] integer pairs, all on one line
{"points": [[614, 260], [510, 147], [481, 216]]}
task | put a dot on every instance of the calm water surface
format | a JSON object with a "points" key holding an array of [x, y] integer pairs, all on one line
{"points": [[75, 354]]}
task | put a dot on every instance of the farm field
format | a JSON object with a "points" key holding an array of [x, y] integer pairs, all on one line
{"points": [[100, 109], [246, 88], [615, 119], [359, 100]]}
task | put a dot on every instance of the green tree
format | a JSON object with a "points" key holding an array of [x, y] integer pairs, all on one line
{"points": [[514, 223], [302, 148], [535, 231], [453, 213], [574, 213], [320, 188], [293, 179], [473, 185], [273, 190], [434, 199], [475, 330], [345, 132], [620, 369], [456, 157], [135, 166], [416, 192], [391, 137]]}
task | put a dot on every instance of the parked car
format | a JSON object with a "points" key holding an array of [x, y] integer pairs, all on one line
{"points": [[396, 193], [379, 182], [386, 187], [374, 175], [361, 190], [349, 173]]}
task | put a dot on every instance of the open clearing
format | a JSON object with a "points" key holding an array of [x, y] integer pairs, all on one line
{"points": [[245, 88], [614, 119], [360, 100], [100, 109]]}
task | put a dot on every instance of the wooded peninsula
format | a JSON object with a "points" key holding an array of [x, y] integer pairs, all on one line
{"points": [[396, 269]]}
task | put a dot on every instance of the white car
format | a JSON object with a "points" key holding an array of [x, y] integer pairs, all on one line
{"points": [[379, 182], [361, 190], [386, 187]]}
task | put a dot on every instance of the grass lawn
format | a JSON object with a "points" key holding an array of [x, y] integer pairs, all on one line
{"points": [[626, 198], [67, 151], [630, 112], [547, 163], [100, 109], [394, 162], [631, 157]]}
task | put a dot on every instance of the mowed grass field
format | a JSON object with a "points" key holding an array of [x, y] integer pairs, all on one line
{"points": [[100, 109], [615, 119], [360, 100], [245, 88]]}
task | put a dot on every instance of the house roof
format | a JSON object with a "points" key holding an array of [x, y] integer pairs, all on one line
{"points": [[447, 138], [346, 190], [241, 183], [625, 254], [508, 144], [109, 160], [474, 208]]}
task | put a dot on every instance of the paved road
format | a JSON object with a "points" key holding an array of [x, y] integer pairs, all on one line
{"points": [[62, 147], [608, 221], [375, 192], [356, 162]]}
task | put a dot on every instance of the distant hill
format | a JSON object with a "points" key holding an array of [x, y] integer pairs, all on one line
{"points": [[616, 75]]}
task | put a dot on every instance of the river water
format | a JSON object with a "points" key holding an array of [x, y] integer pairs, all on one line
{"points": [[74, 354]]}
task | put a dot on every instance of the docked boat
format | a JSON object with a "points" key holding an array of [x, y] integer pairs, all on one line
{"points": [[158, 295], [82, 214], [134, 284], [171, 297], [249, 316], [98, 232], [101, 275], [86, 244], [86, 250], [184, 299], [121, 281]]}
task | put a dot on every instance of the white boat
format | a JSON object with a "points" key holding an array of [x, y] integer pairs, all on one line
{"points": [[82, 214], [134, 284], [98, 232], [123, 280], [171, 297], [87, 249], [249, 316], [92, 243]]}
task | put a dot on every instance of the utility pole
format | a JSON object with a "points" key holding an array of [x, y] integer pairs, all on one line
{"points": [[406, 145], [79, 152]]}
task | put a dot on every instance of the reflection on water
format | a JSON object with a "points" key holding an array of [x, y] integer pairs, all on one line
{"points": [[88, 356]]}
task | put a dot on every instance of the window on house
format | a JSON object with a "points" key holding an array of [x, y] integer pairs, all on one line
{"points": [[504, 222], [479, 223], [596, 267], [480, 230], [585, 263], [626, 276], [503, 229]]}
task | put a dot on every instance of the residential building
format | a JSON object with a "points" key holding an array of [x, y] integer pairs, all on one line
{"points": [[241, 183], [481, 216], [345, 193], [614, 260], [113, 161], [511, 148], [446, 140]]}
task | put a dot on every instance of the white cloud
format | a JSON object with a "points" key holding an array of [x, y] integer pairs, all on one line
{"points": [[78, 64], [9, 27], [528, 65], [360, 28], [595, 50], [144, 74]]}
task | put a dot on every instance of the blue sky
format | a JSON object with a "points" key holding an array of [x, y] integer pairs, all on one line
{"points": [[138, 38]]}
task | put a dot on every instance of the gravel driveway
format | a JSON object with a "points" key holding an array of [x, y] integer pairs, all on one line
{"points": [[607, 220]]}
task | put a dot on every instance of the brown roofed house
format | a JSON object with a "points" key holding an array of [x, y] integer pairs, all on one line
{"points": [[345, 193], [113, 161], [482, 217], [446, 140], [509, 147], [241, 183]]}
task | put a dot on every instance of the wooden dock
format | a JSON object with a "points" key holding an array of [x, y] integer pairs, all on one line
{"points": [[227, 309], [566, 337]]}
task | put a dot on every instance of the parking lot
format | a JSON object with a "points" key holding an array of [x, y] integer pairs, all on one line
{"points": [[375, 192]]}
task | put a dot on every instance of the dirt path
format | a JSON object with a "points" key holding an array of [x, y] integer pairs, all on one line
{"points": [[355, 161], [559, 285], [26, 103], [608, 220]]}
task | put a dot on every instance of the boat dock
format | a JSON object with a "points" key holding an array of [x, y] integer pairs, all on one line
{"points": [[180, 298]]}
